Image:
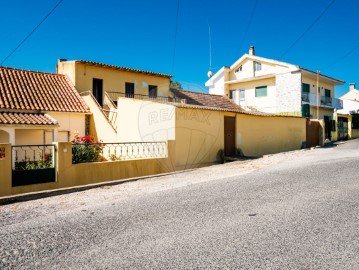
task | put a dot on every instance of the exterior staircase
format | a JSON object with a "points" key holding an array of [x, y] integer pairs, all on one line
{"points": [[104, 119]]}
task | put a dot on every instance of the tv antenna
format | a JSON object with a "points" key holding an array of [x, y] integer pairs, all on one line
{"points": [[210, 73]]}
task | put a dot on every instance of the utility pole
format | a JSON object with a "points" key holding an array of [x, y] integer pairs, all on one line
{"points": [[318, 94]]}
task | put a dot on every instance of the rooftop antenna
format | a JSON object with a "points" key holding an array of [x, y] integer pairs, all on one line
{"points": [[210, 73]]}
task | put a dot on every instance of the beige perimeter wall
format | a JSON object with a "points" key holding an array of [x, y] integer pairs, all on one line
{"points": [[258, 135], [70, 175], [199, 137]]}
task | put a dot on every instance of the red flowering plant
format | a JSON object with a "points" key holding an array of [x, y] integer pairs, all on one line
{"points": [[86, 149], [43, 162]]}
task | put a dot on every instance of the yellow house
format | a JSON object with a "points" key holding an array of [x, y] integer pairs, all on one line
{"points": [[115, 81], [101, 85], [39, 108], [277, 87], [202, 127]]}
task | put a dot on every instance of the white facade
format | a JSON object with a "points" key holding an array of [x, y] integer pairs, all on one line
{"points": [[271, 86], [349, 106]]}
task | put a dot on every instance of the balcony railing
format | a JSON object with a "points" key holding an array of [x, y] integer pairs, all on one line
{"points": [[324, 101], [115, 95]]}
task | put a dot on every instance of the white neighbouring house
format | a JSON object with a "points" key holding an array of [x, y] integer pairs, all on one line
{"points": [[350, 100], [276, 87]]}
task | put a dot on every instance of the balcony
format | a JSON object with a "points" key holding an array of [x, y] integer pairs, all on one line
{"points": [[328, 102], [115, 95]]}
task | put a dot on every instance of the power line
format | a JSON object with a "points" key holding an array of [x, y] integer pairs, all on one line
{"points": [[308, 28], [175, 39], [250, 20], [343, 57], [29, 35]]}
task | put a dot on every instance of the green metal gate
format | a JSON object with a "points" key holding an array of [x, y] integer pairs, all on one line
{"points": [[33, 164]]}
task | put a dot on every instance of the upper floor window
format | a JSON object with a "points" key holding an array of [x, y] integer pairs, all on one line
{"points": [[257, 66], [327, 93], [152, 91], [305, 88], [231, 94], [130, 89], [238, 69], [261, 91]]}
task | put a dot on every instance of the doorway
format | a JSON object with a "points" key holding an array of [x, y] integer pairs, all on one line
{"points": [[97, 90], [229, 136]]}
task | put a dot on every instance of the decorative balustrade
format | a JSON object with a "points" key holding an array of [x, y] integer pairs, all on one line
{"points": [[115, 95], [91, 152], [136, 150]]}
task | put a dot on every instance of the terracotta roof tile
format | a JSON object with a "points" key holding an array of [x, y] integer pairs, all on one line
{"points": [[215, 103], [123, 68], [9, 118], [38, 91]]}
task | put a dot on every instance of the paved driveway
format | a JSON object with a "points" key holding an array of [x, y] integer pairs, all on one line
{"points": [[296, 210]]}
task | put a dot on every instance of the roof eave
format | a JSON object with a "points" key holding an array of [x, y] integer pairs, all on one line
{"points": [[335, 81]]}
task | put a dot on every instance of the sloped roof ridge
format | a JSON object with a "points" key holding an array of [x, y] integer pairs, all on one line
{"points": [[188, 91], [121, 68], [31, 71], [265, 59], [38, 91]]}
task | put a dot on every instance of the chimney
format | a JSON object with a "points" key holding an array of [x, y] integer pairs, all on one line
{"points": [[351, 86], [251, 50]]}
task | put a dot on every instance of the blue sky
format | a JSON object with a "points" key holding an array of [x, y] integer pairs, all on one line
{"points": [[142, 34]]}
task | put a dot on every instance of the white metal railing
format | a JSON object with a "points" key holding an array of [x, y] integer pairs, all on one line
{"points": [[324, 101]]}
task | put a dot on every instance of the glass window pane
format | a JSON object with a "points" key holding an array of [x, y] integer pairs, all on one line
{"points": [[261, 91], [305, 88]]}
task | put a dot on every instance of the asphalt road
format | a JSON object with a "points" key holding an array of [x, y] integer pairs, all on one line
{"points": [[300, 212]]}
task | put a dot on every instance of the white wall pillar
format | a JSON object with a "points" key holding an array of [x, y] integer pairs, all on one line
{"points": [[55, 135]]}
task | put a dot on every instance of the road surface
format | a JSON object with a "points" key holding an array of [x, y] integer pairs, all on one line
{"points": [[296, 210]]}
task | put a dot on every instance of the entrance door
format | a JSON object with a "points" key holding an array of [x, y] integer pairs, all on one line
{"points": [[97, 90], [229, 135], [342, 128], [328, 127], [312, 133]]}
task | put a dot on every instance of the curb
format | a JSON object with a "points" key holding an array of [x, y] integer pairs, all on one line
{"points": [[62, 191]]}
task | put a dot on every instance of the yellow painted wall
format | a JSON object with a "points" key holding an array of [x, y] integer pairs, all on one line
{"points": [[322, 112], [145, 121], [5, 170], [67, 68], [100, 127], [70, 175], [199, 137], [257, 136], [69, 122], [113, 80], [322, 84], [355, 134], [4, 136], [29, 136]]}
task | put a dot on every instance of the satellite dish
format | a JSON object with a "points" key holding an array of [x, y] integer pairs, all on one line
{"points": [[209, 73]]}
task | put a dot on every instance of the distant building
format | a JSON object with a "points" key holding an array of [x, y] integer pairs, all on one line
{"points": [[277, 87]]}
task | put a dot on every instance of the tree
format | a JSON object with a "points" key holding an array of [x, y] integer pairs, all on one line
{"points": [[176, 85]]}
